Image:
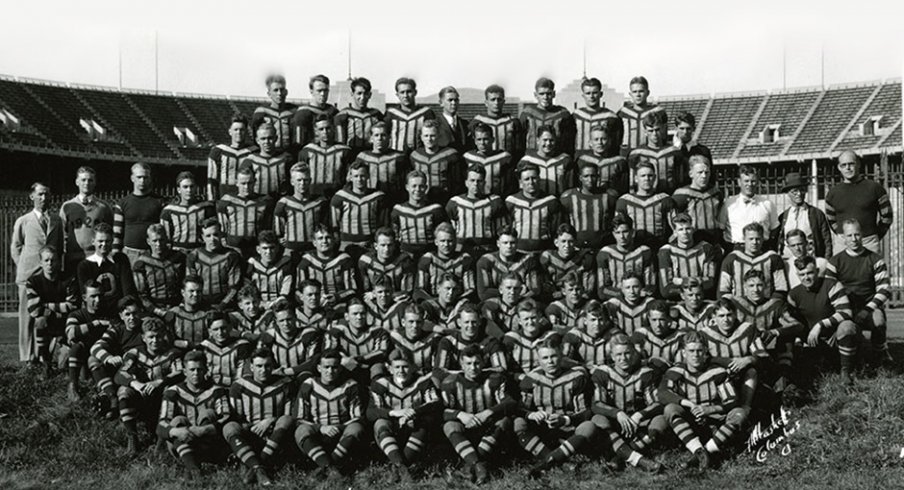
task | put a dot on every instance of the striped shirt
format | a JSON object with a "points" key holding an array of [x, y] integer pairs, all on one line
{"points": [[357, 216], [369, 346], [327, 165], [491, 267], [613, 263], [614, 172], [182, 401], [431, 267], [243, 218], [353, 127], [183, 223], [271, 173], [534, 219], [563, 393], [140, 365], [671, 168], [590, 214], [223, 167], [476, 220], [422, 350], [660, 353], [319, 319], [132, 216], [532, 117], [252, 402], [274, 281], [585, 349], [498, 165], [703, 206], [632, 120], [864, 277], [251, 329], [322, 404], [189, 328], [711, 386], [629, 392], [116, 341], [228, 362], [769, 314], [737, 263], [386, 170], [692, 320], [522, 351], [400, 270], [336, 274], [304, 118], [651, 215], [508, 134], [444, 171], [292, 353], [281, 119], [388, 317], [501, 318], [85, 327], [585, 118], [582, 263], [414, 225], [405, 127], [826, 304], [52, 298], [159, 280], [294, 219], [743, 341], [561, 316], [448, 351], [488, 392], [677, 265], [557, 172], [220, 271], [628, 317], [420, 395]]}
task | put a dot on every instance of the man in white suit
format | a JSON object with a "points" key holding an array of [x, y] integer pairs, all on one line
{"points": [[31, 232]]}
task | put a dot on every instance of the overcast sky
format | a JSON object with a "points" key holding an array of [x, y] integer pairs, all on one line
{"points": [[227, 47]]}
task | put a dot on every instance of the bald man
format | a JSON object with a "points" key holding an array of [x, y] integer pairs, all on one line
{"points": [[858, 198], [134, 213]]}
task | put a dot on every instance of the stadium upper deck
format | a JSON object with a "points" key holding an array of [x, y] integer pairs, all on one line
{"points": [[111, 124]]}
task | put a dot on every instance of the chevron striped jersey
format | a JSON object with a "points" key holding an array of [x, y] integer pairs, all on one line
{"points": [[281, 119], [615, 391], [711, 385], [476, 220], [555, 267], [702, 205], [563, 393], [591, 215], [327, 166], [294, 219], [651, 215], [243, 218], [189, 328], [508, 134], [769, 314], [405, 127], [628, 317], [400, 270], [632, 119], [353, 127], [522, 351], [534, 219], [532, 117], [659, 352], [448, 352], [585, 118], [737, 263], [491, 267], [743, 341], [196, 405], [140, 365], [251, 329], [498, 165], [183, 223], [336, 275], [387, 317], [220, 271], [557, 172], [501, 317], [414, 225], [688, 319], [488, 392], [671, 168], [292, 353], [386, 170], [273, 281], [422, 349], [228, 361], [369, 346], [323, 404], [612, 263], [159, 280], [318, 320], [304, 118], [357, 216], [252, 402], [385, 395], [444, 169], [584, 349], [561, 316], [431, 267], [271, 173], [677, 264], [614, 171], [223, 166]]}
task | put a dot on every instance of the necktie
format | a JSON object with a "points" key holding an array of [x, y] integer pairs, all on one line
{"points": [[43, 221]]}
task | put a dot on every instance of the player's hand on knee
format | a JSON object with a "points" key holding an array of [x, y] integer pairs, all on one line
{"points": [[329, 430], [813, 336]]}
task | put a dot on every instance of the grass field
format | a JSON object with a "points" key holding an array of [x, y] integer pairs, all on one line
{"points": [[847, 437]]}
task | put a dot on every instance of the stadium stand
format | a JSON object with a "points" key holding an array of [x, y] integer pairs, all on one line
{"points": [[727, 122], [777, 123], [835, 111], [694, 105]]}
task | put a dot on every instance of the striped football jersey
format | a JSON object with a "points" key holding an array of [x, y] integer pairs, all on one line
{"points": [[591, 215], [585, 118], [405, 127], [183, 223], [304, 118], [386, 170], [323, 404], [252, 402], [336, 275], [557, 172], [532, 117], [614, 171], [220, 271], [498, 166], [271, 173], [281, 119], [327, 166], [508, 134], [357, 216], [476, 220], [632, 120], [534, 219], [294, 219], [223, 167], [671, 168], [628, 317], [227, 362], [612, 263], [353, 127]]}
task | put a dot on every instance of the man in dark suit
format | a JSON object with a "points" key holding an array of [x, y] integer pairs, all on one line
{"points": [[452, 129], [802, 216], [31, 232]]}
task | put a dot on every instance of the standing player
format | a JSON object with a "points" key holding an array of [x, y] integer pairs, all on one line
{"points": [[278, 114], [326, 159], [670, 167], [246, 213], [270, 164], [182, 218], [492, 266], [296, 216], [477, 216], [508, 134], [738, 262], [495, 162], [414, 221], [306, 114], [452, 131], [701, 201], [406, 121], [79, 215], [223, 162], [358, 210], [686, 259], [386, 168], [333, 269], [219, 267], [614, 261], [158, 274], [604, 154], [535, 215], [545, 113], [354, 123], [134, 213], [556, 168], [861, 199], [633, 113], [590, 208], [592, 114], [442, 166]]}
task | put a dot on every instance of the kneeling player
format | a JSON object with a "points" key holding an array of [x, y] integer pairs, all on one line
{"points": [[191, 414], [699, 399]]}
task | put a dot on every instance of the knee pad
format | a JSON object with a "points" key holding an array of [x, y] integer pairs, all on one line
{"points": [[284, 422], [736, 417], [231, 430], [452, 427], [601, 421], [673, 410], [520, 424]]}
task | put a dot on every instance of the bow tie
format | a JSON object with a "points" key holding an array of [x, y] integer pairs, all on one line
{"points": [[747, 200]]}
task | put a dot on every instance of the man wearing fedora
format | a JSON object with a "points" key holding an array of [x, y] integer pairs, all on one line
{"points": [[800, 215]]}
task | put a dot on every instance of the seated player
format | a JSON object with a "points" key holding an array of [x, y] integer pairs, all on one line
{"points": [[387, 260], [227, 355], [649, 209], [84, 327], [383, 309], [566, 259], [358, 211], [614, 261], [669, 165], [245, 214], [261, 416], [326, 159], [442, 166], [634, 111], [158, 273], [556, 168], [403, 408], [187, 322], [415, 220], [546, 113], [628, 310], [414, 339], [294, 349], [112, 273], [191, 415], [477, 216], [269, 163], [363, 347], [823, 305], [107, 353], [864, 275], [431, 266], [685, 259], [251, 319], [658, 342], [521, 344], [737, 346], [310, 311], [333, 269], [501, 312], [605, 154], [296, 216], [563, 313], [50, 299], [796, 246], [553, 397], [182, 218], [329, 413], [702, 201], [694, 311], [477, 411], [494, 265], [738, 262], [495, 162], [535, 215], [442, 311], [270, 271], [586, 342], [592, 114], [590, 208], [700, 402], [386, 167], [471, 331], [625, 405], [220, 267], [145, 372], [405, 122]]}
